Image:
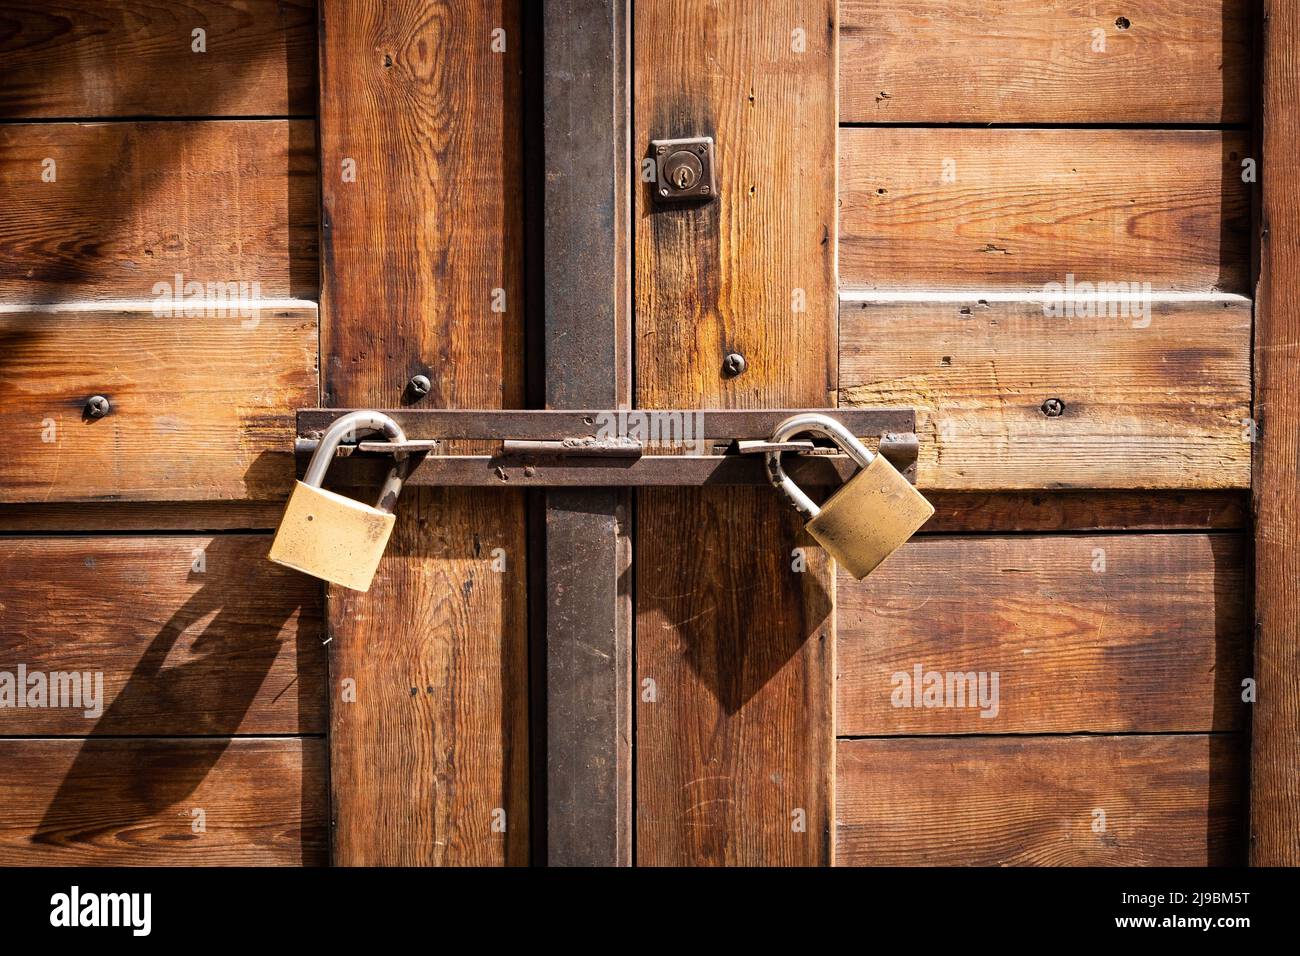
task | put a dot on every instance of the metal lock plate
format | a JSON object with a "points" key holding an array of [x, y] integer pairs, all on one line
{"points": [[870, 518], [329, 536], [683, 169]]}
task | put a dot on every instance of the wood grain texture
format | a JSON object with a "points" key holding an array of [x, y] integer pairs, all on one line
{"points": [[202, 406], [1085, 511], [134, 204], [1275, 758], [434, 216], [722, 277], [997, 208], [1032, 801], [1102, 633], [116, 802], [734, 759], [1156, 394], [1004, 61], [189, 635], [733, 749], [436, 743], [99, 58]]}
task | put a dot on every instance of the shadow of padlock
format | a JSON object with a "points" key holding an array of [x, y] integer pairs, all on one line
{"points": [[870, 517], [328, 535]]}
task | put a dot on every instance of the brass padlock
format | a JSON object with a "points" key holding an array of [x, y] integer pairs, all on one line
{"points": [[869, 518], [328, 535]]}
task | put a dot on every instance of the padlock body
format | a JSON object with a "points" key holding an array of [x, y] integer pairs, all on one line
{"points": [[332, 537], [870, 518]]}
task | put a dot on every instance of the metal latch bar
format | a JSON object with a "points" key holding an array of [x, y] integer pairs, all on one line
{"points": [[538, 449]]}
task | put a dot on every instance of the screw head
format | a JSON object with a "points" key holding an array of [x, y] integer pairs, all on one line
{"points": [[661, 150], [97, 406], [663, 191], [1053, 408], [733, 364], [420, 385]]}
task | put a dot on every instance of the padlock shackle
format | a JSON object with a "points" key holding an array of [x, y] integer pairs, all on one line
{"points": [[822, 425], [350, 426]]}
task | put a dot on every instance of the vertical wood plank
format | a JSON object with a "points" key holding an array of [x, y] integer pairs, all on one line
{"points": [[734, 750], [421, 261], [588, 624], [1275, 757]]}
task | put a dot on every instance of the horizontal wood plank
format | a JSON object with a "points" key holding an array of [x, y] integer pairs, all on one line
{"points": [[100, 58], [202, 406], [1155, 394], [1069, 801], [1016, 208], [1047, 634], [163, 802], [1082, 511], [1053, 61], [118, 210], [163, 635]]}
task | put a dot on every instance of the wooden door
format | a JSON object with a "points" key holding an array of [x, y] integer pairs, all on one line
{"points": [[1035, 229], [1061, 235]]}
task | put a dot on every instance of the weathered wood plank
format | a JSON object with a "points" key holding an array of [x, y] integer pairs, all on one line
{"points": [[1155, 393], [422, 254], [1086, 511], [170, 635], [995, 208], [132, 205], [142, 802], [1104, 634], [734, 657], [81, 59], [1054, 61], [999, 801], [202, 406], [1275, 759], [734, 757]]}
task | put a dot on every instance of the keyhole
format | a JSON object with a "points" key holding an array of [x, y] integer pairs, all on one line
{"points": [[683, 170]]}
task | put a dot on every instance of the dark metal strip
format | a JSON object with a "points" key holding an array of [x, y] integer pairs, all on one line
{"points": [[679, 426]]}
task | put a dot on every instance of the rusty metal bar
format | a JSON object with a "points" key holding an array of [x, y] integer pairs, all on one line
{"points": [[586, 615], [709, 425]]}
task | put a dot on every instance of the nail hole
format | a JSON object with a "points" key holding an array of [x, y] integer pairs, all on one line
{"points": [[1122, 23]]}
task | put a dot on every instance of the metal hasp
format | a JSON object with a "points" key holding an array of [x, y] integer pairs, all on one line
{"points": [[611, 448], [683, 169]]}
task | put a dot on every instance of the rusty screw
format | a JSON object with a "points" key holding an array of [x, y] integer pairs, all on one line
{"points": [[97, 406], [420, 385], [733, 364], [1053, 408]]}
